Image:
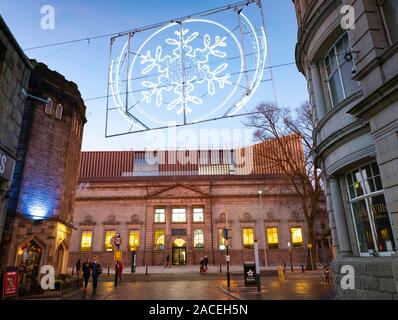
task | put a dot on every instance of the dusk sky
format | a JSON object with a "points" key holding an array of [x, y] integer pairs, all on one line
{"points": [[86, 63]]}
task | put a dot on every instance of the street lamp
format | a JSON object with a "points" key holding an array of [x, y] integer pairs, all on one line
{"points": [[290, 253], [263, 230]]}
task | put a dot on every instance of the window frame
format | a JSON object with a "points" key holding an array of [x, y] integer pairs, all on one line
{"points": [[50, 105], [163, 231], [250, 246], [88, 249], [273, 246], [172, 214], [328, 76], [138, 231], [57, 108], [106, 248], [155, 214], [365, 197], [385, 24], [193, 214], [296, 245], [203, 238]]}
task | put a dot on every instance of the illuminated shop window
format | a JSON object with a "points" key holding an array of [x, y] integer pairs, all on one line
{"points": [[134, 239], [272, 236], [179, 215], [159, 239], [86, 241], [109, 234], [369, 210], [297, 237], [197, 214], [198, 238], [248, 238], [160, 215], [221, 240]]}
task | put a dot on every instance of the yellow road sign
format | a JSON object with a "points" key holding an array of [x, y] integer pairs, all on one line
{"points": [[118, 255]]}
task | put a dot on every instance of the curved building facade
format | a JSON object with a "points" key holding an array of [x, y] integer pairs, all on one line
{"points": [[348, 52]]}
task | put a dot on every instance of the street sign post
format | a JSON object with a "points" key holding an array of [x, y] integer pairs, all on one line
{"points": [[117, 241]]}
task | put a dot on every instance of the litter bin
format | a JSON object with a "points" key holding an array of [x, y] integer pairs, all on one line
{"points": [[249, 272], [133, 261]]}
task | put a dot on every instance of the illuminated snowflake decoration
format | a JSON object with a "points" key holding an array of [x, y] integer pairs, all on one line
{"points": [[197, 70]]}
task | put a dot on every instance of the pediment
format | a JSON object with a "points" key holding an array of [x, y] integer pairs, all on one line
{"points": [[178, 191]]}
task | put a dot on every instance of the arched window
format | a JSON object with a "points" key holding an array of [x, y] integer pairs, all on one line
{"points": [[58, 111], [49, 106]]}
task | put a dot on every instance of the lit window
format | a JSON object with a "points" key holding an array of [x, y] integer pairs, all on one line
{"points": [[297, 237], [390, 17], [49, 106], [134, 239], [109, 234], [58, 111], [198, 238], [198, 214], [179, 215], [370, 214], [248, 238], [160, 215], [221, 240], [339, 72], [159, 239], [86, 241], [272, 235]]}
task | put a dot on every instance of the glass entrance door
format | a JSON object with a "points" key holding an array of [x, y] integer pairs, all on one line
{"points": [[179, 257]]}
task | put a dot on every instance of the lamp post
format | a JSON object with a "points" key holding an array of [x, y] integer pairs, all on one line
{"points": [[263, 230], [227, 247], [290, 253]]}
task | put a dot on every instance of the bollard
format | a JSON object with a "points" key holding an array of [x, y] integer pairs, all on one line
{"points": [[284, 265], [220, 268], [73, 270], [146, 270], [108, 270], [281, 274], [302, 268]]}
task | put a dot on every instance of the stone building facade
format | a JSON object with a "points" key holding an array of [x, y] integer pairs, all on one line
{"points": [[39, 218], [162, 209], [352, 76], [15, 71]]}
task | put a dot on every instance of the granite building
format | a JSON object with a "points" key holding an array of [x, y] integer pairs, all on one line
{"points": [[176, 203], [15, 71], [40, 210], [352, 75]]}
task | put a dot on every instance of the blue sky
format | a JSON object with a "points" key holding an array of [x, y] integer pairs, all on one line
{"points": [[86, 63]]}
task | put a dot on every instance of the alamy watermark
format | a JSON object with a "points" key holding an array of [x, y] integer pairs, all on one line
{"points": [[47, 21]]}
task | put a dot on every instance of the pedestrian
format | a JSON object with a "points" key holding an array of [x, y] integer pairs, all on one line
{"points": [[78, 266], [167, 261], [96, 271], [202, 264], [206, 261], [119, 268], [86, 268]]}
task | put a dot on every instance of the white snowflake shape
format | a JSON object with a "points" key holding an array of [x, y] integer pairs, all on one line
{"points": [[197, 70]]}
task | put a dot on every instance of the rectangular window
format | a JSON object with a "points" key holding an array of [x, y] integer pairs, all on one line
{"points": [[339, 72], [369, 210], [134, 240], [248, 238], [86, 241], [198, 238], [197, 214], [272, 236], [179, 215], [49, 106], [390, 17], [159, 239], [160, 215], [297, 237], [221, 240], [109, 234], [58, 111]]}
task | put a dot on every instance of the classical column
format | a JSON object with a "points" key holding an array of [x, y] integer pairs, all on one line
{"points": [[318, 90], [303, 7], [340, 218]]}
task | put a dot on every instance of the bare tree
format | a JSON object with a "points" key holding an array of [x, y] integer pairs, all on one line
{"points": [[281, 129]]}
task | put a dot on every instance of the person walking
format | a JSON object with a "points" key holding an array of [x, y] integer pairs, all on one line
{"points": [[86, 268], [96, 271], [205, 262], [119, 268], [202, 264], [78, 266], [167, 265]]}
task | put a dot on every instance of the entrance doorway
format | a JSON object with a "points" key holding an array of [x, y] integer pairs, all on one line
{"points": [[179, 254]]}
